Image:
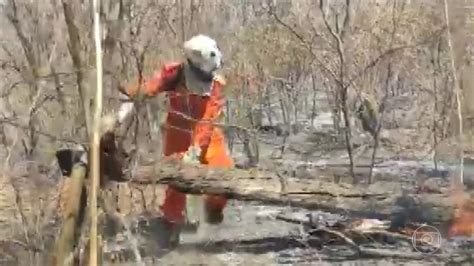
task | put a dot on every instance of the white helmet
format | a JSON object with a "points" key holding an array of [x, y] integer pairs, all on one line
{"points": [[202, 52]]}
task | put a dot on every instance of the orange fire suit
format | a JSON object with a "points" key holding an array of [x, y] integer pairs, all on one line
{"points": [[188, 124]]}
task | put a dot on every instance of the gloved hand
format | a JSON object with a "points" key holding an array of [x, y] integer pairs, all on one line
{"points": [[112, 122], [192, 155], [108, 124], [125, 109]]}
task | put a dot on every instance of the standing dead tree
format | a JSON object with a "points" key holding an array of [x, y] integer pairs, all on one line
{"points": [[346, 68], [381, 108], [458, 95], [338, 33], [36, 59], [76, 52]]}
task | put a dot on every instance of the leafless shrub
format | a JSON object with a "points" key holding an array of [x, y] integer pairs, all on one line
{"points": [[286, 63]]}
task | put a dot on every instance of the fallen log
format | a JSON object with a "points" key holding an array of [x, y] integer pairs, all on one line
{"points": [[388, 200], [381, 200]]}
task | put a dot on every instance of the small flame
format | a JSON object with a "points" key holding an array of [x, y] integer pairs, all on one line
{"points": [[463, 217]]}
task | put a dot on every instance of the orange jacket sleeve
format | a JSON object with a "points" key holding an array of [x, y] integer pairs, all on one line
{"points": [[161, 81]]}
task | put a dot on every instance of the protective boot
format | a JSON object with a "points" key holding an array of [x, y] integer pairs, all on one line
{"points": [[214, 209]]}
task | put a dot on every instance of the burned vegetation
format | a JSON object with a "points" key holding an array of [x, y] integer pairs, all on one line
{"points": [[349, 125]]}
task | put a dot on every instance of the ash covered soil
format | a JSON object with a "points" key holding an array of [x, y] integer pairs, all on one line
{"points": [[251, 234]]}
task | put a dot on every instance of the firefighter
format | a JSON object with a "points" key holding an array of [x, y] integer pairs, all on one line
{"points": [[195, 95]]}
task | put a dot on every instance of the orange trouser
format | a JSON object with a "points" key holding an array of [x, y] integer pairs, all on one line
{"points": [[177, 141]]}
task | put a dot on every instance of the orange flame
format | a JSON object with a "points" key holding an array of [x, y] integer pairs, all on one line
{"points": [[463, 216]]}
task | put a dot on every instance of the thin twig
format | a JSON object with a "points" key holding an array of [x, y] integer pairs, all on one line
{"points": [[9, 121], [341, 236]]}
